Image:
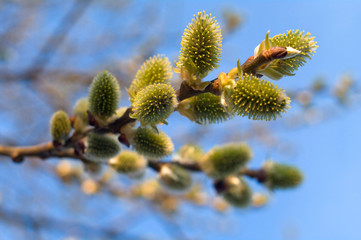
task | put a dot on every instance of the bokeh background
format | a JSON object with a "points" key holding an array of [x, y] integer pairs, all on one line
{"points": [[51, 49]]}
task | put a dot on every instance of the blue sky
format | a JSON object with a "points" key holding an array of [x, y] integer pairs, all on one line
{"points": [[327, 206]]}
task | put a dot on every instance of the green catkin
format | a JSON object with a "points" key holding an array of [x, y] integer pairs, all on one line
{"points": [[101, 147], [156, 69], [237, 192], [300, 47], [258, 99], [201, 45], [225, 160], [281, 176], [128, 162], [80, 113], [154, 103], [297, 40], [104, 95], [204, 109], [80, 109], [174, 177], [60, 126], [151, 144]]}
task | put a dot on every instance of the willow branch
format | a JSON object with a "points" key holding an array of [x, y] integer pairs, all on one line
{"points": [[48, 150], [250, 67], [43, 151], [259, 174]]}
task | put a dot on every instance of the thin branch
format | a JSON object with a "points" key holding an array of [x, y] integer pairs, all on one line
{"points": [[249, 67], [66, 226], [259, 174], [57, 38], [48, 150], [157, 165], [43, 151]]}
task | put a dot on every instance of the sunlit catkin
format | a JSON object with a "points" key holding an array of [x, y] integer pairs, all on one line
{"points": [[60, 126], [156, 69], [297, 42], [205, 108], [128, 162], [258, 99], [154, 103], [201, 45]]}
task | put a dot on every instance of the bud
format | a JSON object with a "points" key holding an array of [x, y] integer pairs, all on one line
{"points": [[300, 47], [104, 95], [190, 153], [90, 186], [152, 144], [81, 115], [259, 199], [128, 162], [156, 69], [67, 171], [236, 192], [154, 103], [205, 108], [225, 160], [280, 176], [174, 177], [101, 147], [60, 126], [201, 45], [259, 99]]}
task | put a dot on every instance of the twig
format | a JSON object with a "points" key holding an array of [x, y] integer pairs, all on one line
{"points": [[56, 39], [43, 151]]}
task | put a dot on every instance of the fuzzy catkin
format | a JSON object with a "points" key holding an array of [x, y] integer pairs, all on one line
{"points": [[205, 108], [60, 126], [156, 69], [104, 95], [201, 45], [280, 176], [154, 103], [224, 160], [101, 147], [237, 192], [258, 99], [297, 40], [151, 144], [174, 177]]}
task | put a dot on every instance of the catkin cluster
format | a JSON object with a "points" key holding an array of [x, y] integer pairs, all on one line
{"points": [[153, 99]]}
